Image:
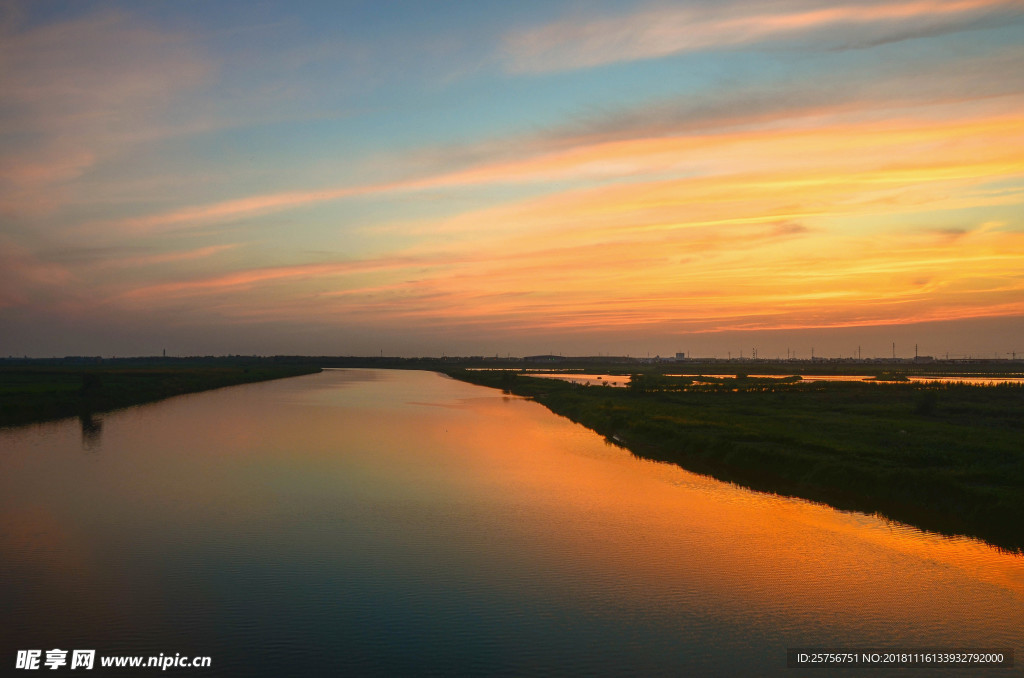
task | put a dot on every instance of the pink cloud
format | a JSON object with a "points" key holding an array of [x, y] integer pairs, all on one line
{"points": [[671, 29], [143, 260], [79, 91], [257, 276], [25, 279]]}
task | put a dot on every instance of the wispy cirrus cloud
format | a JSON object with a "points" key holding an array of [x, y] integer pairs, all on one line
{"points": [[836, 146], [671, 246], [159, 258], [25, 278], [662, 30], [248, 278], [677, 135], [81, 90], [768, 275]]}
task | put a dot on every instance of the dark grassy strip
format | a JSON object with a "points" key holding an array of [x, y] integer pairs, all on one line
{"points": [[947, 458], [41, 392]]}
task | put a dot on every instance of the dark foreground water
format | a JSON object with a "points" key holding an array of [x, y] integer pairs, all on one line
{"points": [[361, 522]]}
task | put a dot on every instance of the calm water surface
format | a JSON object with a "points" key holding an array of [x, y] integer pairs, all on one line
{"points": [[361, 522]]}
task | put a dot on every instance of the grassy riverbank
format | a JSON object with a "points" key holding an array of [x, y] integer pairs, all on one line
{"points": [[947, 458], [46, 390]]}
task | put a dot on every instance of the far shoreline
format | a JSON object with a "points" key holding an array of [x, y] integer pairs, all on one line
{"points": [[941, 457], [36, 392]]}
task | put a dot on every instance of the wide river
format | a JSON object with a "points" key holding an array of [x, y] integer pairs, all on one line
{"points": [[364, 522]]}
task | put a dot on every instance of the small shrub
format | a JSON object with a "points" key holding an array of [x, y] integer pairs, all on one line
{"points": [[925, 402]]}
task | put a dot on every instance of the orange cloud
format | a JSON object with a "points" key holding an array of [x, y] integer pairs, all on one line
{"points": [[766, 276], [819, 222], [827, 144]]}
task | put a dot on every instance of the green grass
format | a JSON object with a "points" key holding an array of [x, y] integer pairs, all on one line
{"points": [[948, 458], [43, 392]]}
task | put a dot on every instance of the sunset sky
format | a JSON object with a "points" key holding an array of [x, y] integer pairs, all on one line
{"points": [[484, 178]]}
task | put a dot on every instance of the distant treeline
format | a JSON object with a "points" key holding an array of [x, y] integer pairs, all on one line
{"points": [[943, 457], [41, 390], [623, 366]]}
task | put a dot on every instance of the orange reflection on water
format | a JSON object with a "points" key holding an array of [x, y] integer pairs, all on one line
{"points": [[400, 468], [643, 521]]}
